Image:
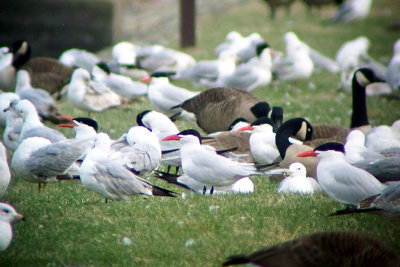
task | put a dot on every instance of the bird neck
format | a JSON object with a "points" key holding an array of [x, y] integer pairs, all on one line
{"points": [[359, 116]]}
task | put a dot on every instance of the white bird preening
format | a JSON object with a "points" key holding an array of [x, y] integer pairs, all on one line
{"points": [[162, 126], [8, 216], [297, 182], [110, 179], [138, 150], [205, 165], [297, 65], [340, 180], [5, 174], [86, 94]]}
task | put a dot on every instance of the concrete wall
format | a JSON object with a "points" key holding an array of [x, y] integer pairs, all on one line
{"points": [[52, 26]]}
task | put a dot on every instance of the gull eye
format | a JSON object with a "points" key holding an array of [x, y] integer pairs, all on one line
{"points": [[6, 211]]}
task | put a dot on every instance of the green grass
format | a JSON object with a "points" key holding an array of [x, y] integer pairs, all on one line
{"points": [[69, 225]]}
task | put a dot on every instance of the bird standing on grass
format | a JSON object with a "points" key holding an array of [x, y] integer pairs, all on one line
{"points": [[110, 179], [205, 165], [340, 180]]}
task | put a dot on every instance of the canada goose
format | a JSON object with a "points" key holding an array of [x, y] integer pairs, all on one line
{"points": [[362, 77], [302, 130], [216, 108], [46, 73], [8, 216], [340, 180], [323, 249]]}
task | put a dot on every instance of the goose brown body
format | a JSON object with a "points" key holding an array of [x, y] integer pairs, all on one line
{"points": [[324, 249], [215, 109], [238, 141]]}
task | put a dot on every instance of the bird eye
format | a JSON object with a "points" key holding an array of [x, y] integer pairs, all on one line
{"points": [[6, 211]]}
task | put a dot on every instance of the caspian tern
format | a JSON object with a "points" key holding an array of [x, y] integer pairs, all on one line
{"points": [[8, 216], [110, 179], [339, 179], [387, 202], [205, 165]]}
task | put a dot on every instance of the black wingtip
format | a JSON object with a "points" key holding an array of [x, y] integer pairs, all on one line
{"points": [[351, 211], [236, 260], [159, 191]]}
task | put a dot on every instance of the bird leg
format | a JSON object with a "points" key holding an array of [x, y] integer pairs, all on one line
{"points": [[212, 190], [204, 190]]}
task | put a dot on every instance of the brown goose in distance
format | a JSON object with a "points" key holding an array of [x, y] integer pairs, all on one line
{"points": [[359, 119], [317, 4], [45, 72], [323, 249], [216, 108], [273, 4]]}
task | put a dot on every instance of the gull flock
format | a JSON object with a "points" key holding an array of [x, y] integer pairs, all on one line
{"points": [[239, 136]]}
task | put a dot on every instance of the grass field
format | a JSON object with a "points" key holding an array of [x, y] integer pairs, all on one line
{"points": [[69, 225]]}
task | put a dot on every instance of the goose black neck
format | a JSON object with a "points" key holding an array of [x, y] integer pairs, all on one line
{"points": [[359, 117]]}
